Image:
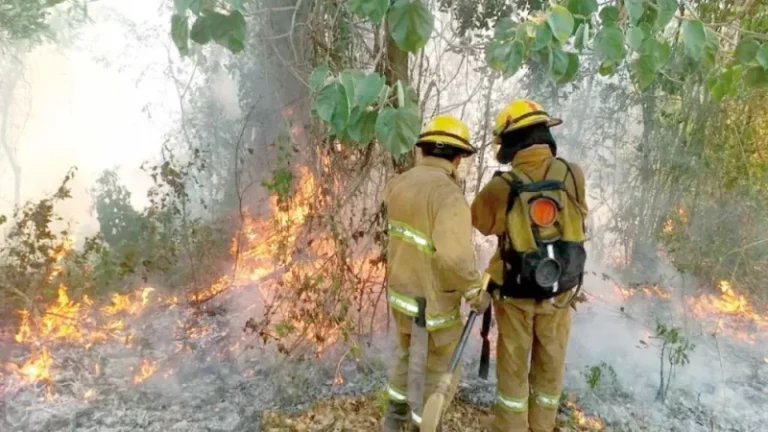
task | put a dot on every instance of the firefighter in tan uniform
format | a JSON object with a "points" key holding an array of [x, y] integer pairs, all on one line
{"points": [[537, 210], [431, 267]]}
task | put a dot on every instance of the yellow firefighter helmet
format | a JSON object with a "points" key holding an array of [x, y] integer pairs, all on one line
{"points": [[446, 129], [519, 114]]}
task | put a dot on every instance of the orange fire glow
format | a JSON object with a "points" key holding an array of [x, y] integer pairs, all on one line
{"points": [[146, 369], [583, 421], [742, 321]]}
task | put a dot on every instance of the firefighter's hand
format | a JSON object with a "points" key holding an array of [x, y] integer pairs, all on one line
{"points": [[481, 302]]}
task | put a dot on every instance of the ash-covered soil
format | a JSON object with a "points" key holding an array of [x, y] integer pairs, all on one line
{"points": [[191, 371]]}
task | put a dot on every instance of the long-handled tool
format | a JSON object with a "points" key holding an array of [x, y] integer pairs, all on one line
{"points": [[485, 354], [433, 410]]}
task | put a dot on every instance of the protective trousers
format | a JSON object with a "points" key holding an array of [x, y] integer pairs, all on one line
{"points": [[528, 398], [441, 346]]}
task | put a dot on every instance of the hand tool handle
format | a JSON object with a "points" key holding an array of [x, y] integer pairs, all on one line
{"points": [[462, 341], [485, 354]]}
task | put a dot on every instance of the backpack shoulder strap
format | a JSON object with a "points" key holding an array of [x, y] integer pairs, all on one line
{"points": [[569, 171]]}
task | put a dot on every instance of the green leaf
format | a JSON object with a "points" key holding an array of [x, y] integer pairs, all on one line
{"points": [[373, 10], [384, 96], [341, 111], [607, 68], [666, 12], [180, 33], [561, 22], [635, 9], [693, 38], [398, 129], [662, 54], [505, 28], [325, 102], [181, 6], [410, 24], [717, 88], [635, 38], [609, 14], [318, 76], [609, 44], [196, 6], [746, 50], [514, 59], [580, 40], [362, 126], [347, 79], [201, 31], [756, 77], [558, 63], [235, 39], [573, 68], [543, 37], [496, 53], [582, 7], [762, 55], [368, 89], [711, 48], [644, 70]]}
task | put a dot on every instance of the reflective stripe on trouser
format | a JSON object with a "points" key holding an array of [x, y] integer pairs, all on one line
{"points": [[408, 306], [539, 332], [438, 361]]}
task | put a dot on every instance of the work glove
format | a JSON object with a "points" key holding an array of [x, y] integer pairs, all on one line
{"points": [[481, 300]]}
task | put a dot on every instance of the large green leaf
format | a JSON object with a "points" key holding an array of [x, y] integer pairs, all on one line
{"points": [[609, 14], [374, 10], [398, 129], [666, 12], [711, 48], [341, 111], [662, 53], [514, 58], [496, 53], [180, 33], [201, 31], [558, 63], [368, 89], [746, 50], [756, 77], [362, 125], [582, 7], [561, 22], [348, 79], [505, 28], [609, 43], [235, 39], [326, 100], [644, 70], [582, 36], [694, 38], [635, 38], [762, 55], [410, 24], [318, 76], [181, 6], [543, 37], [635, 9], [573, 68]]}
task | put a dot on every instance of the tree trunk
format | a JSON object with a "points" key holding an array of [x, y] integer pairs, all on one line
{"points": [[5, 139], [396, 69]]}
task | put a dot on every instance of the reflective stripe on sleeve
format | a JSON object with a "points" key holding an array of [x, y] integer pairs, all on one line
{"points": [[411, 236], [416, 418], [546, 400], [513, 404], [443, 321], [395, 394]]}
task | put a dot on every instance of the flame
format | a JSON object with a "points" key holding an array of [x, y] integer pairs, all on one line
{"points": [[88, 395], [648, 292], [736, 316], [37, 368], [146, 369], [585, 422]]}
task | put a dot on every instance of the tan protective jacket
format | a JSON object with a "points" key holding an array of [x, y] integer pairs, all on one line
{"points": [[489, 209], [430, 252]]}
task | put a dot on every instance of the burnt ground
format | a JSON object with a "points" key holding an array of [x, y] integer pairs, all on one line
{"points": [[220, 380]]}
